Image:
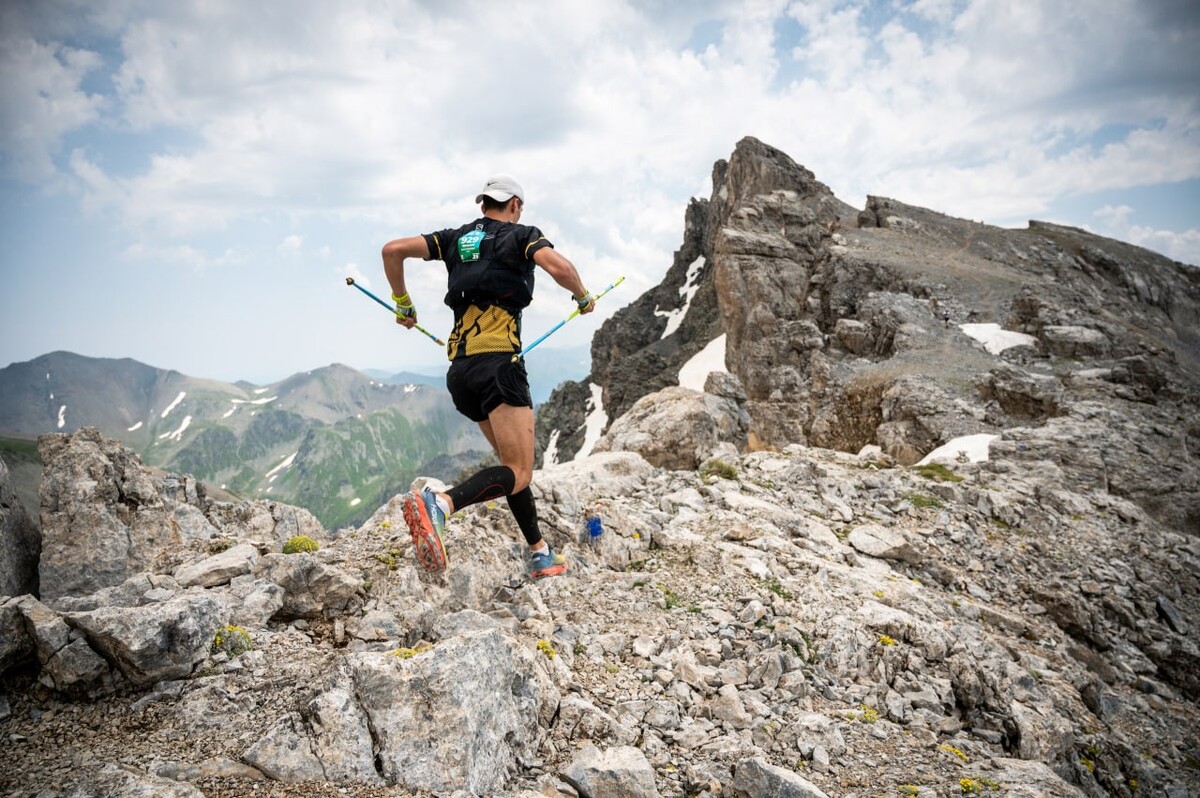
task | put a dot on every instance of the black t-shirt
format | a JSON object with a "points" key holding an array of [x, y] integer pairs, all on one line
{"points": [[490, 269]]}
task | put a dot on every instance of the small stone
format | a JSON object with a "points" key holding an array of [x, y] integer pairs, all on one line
{"points": [[1168, 613]]}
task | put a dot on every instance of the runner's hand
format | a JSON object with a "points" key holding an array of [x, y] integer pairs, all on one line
{"points": [[406, 311], [585, 303]]}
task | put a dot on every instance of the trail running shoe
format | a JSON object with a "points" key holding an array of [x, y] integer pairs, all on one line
{"points": [[546, 563], [426, 523]]}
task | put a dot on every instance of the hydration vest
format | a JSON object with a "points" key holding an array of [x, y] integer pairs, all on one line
{"points": [[487, 266]]}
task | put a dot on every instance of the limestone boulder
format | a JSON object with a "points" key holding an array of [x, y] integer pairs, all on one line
{"points": [[621, 772], [154, 642], [459, 716], [311, 586], [103, 517], [20, 542], [677, 428]]}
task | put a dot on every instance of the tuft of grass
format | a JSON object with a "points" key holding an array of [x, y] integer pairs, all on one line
{"points": [[937, 472], [218, 545], [779, 590], [718, 468], [923, 501]]}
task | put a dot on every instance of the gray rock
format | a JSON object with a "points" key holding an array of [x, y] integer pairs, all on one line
{"points": [[1073, 341], [1169, 614], [341, 738], [20, 542], [621, 772], [677, 428], [455, 717], [265, 523], [583, 720], [286, 752], [154, 642], [220, 568], [65, 657], [103, 519], [310, 586], [886, 543], [121, 781], [16, 645], [757, 777]]}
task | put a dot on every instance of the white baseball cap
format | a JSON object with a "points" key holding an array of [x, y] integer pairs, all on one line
{"points": [[502, 188]]}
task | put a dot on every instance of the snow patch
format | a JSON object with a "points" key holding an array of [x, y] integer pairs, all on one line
{"points": [[996, 340], [410, 388], [274, 472], [229, 412], [711, 358], [974, 448], [135, 427], [264, 390], [177, 435], [595, 422], [174, 404], [688, 291], [550, 457], [355, 502], [254, 401], [62, 416]]}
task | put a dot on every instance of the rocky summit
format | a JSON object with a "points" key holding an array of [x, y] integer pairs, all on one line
{"points": [[916, 515]]}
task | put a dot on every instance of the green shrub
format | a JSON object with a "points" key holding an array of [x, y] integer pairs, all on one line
{"points": [[232, 640], [299, 543]]}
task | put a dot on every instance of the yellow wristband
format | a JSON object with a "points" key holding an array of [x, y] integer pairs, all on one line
{"points": [[402, 301]]}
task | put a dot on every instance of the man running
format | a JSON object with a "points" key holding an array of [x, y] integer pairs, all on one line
{"points": [[490, 265]]}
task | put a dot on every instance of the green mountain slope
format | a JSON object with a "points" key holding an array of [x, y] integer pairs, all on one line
{"points": [[332, 440]]}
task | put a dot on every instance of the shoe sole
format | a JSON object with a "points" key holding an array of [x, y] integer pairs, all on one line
{"points": [[431, 554], [553, 570]]}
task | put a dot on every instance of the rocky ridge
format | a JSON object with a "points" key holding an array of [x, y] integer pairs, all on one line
{"points": [[800, 622], [849, 328]]}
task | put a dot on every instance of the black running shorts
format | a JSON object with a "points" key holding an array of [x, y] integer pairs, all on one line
{"points": [[481, 383]]}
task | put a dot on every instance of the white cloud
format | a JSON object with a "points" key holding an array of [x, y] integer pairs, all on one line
{"points": [[386, 115], [1115, 222], [41, 101]]}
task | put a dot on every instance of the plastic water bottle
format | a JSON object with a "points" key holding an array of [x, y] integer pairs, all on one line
{"points": [[595, 528]]}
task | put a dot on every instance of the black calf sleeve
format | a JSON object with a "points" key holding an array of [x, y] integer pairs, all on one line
{"points": [[490, 483], [525, 511]]}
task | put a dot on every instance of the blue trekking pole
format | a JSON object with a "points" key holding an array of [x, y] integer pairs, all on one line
{"points": [[436, 340], [556, 327]]}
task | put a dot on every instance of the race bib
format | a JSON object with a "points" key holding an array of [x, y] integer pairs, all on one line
{"points": [[468, 246]]}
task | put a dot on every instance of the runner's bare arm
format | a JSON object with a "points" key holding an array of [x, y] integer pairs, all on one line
{"points": [[563, 272], [394, 253]]}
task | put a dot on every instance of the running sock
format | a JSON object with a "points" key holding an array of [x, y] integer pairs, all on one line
{"points": [[482, 486], [525, 511]]}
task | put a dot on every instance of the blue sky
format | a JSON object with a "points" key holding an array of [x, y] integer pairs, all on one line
{"points": [[189, 183]]}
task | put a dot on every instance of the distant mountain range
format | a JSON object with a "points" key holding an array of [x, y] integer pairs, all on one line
{"points": [[334, 440]]}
